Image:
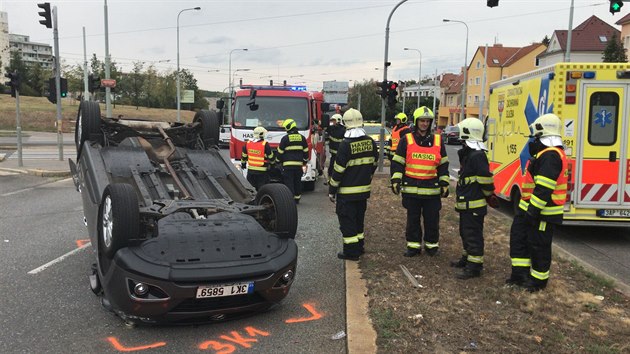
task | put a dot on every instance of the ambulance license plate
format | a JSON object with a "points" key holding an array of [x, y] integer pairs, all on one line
{"points": [[613, 213], [225, 290]]}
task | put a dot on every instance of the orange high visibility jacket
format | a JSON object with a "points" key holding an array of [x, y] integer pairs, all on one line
{"points": [[422, 162], [256, 155]]}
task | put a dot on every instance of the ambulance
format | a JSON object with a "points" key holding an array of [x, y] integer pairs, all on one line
{"points": [[593, 102]]}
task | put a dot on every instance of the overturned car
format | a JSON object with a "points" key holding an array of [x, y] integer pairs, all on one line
{"points": [[178, 235]]}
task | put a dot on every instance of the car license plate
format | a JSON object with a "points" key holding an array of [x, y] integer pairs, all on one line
{"points": [[613, 213], [225, 290]]}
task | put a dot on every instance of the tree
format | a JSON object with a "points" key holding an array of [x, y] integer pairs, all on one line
{"points": [[136, 83], [614, 51], [546, 41], [37, 78], [16, 64]]}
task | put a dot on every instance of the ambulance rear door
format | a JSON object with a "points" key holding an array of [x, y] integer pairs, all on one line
{"points": [[602, 159]]}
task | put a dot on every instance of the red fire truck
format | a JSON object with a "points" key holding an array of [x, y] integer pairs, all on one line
{"points": [[268, 107]]}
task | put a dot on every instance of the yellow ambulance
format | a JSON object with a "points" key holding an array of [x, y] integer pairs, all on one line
{"points": [[593, 102]]}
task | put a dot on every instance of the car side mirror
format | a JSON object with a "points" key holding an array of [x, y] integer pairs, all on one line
{"points": [[220, 104]]}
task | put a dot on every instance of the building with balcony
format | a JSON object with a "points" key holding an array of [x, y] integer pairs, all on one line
{"points": [[32, 52], [4, 40], [450, 99]]}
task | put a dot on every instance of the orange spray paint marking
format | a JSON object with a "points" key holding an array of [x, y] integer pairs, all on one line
{"points": [[80, 243], [122, 348], [218, 347], [253, 332], [315, 315], [238, 339]]}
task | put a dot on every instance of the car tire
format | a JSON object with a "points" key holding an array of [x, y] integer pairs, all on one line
{"points": [[119, 218], [88, 123], [280, 216], [210, 126]]}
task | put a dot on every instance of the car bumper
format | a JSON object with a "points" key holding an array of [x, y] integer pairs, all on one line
{"points": [[173, 289]]}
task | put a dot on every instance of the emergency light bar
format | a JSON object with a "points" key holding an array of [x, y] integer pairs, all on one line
{"points": [[281, 88]]}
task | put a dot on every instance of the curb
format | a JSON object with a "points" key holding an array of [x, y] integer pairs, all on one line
{"points": [[37, 172], [360, 330]]}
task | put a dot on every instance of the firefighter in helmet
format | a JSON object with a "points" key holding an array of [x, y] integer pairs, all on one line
{"points": [[420, 171], [541, 206], [257, 157], [474, 191], [293, 156], [334, 135], [399, 130], [350, 183]]}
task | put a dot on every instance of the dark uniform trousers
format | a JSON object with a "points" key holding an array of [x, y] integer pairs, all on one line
{"points": [[530, 243], [331, 165], [471, 232], [257, 179], [292, 178], [351, 215], [429, 208]]}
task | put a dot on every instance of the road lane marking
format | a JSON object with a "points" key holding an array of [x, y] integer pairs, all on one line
{"points": [[32, 188], [57, 260]]}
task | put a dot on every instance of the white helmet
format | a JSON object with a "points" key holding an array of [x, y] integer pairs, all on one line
{"points": [[546, 125], [352, 119], [471, 129], [260, 133]]}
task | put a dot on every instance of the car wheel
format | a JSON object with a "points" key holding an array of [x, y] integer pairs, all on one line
{"points": [[119, 218], [210, 126], [95, 281], [280, 215], [88, 122], [515, 196]]}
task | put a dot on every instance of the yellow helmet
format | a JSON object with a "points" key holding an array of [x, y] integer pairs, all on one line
{"points": [[260, 133], [471, 129], [289, 124], [546, 125], [352, 119], [402, 116], [336, 117], [422, 113]]}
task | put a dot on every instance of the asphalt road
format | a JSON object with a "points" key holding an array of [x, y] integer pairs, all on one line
{"points": [[54, 311]]}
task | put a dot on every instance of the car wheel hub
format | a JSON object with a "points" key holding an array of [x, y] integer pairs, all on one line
{"points": [[107, 222]]}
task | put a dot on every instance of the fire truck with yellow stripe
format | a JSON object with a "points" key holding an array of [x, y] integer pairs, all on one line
{"points": [[593, 102]]}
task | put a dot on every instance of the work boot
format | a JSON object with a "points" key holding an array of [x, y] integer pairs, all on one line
{"points": [[468, 273], [460, 263], [534, 285], [348, 257], [411, 252], [518, 276], [431, 251]]}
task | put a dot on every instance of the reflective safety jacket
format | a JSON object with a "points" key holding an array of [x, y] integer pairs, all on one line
{"points": [[334, 135], [353, 168], [545, 189], [258, 155], [398, 131], [293, 150], [475, 181], [421, 164]]}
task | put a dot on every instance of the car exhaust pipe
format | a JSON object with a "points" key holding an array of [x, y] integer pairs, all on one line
{"points": [[170, 168]]}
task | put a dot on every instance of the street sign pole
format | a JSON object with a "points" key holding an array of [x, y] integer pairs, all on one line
{"points": [[58, 83], [18, 127]]}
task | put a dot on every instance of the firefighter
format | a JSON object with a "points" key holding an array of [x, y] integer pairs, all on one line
{"points": [[256, 157], [474, 191], [293, 155], [400, 129], [350, 183], [334, 135], [541, 206], [420, 171]]}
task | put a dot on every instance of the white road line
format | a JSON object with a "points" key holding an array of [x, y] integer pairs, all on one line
{"points": [[32, 188], [39, 269]]}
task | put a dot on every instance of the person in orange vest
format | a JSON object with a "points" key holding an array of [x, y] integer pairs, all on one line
{"points": [[400, 129], [257, 157], [420, 171], [541, 206], [474, 192]]}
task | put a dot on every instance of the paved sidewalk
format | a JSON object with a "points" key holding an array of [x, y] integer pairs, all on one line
{"points": [[40, 154]]}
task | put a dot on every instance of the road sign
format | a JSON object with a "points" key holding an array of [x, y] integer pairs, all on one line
{"points": [[111, 83], [188, 96]]}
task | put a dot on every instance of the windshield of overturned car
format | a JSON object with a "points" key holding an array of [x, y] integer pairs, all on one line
{"points": [[271, 112]]}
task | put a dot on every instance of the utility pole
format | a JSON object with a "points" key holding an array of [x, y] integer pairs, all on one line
{"points": [[108, 90], [483, 84], [567, 54], [86, 88], [58, 83]]}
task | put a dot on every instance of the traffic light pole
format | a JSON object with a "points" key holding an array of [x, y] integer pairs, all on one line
{"points": [[58, 83], [381, 138], [18, 127]]}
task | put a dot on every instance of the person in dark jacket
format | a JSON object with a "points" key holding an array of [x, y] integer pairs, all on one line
{"points": [[334, 135], [475, 190], [292, 155], [541, 206], [420, 171], [350, 183], [257, 157]]}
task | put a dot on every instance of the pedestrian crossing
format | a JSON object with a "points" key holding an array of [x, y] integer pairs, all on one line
{"points": [[43, 153]]}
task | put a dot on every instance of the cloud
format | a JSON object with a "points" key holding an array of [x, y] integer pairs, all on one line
{"points": [[213, 40], [153, 50]]}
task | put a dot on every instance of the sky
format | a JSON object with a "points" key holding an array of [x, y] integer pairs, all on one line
{"points": [[304, 42]]}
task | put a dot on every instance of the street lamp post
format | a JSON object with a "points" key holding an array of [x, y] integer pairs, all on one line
{"points": [[234, 74], [465, 67], [231, 79], [178, 95], [419, 71]]}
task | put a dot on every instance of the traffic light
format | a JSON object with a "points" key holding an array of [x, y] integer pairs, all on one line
{"points": [[64, 87], [392, 92], [47, 21], [52, 90], [94, 83], [382, 89], [14, 82], [493, 3], [615, 6]]}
